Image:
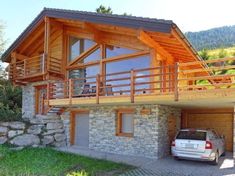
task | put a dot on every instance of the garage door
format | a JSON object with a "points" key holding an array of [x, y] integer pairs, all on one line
{"points": [[222, 123]]}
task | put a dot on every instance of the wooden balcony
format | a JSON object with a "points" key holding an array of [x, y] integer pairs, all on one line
{"points": [[33, 69], [178, 84]]}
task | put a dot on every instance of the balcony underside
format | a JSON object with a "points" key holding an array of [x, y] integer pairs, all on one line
{"points": [[190, 99]]}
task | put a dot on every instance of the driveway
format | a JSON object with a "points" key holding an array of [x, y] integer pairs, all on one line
{"points": [[169, 166], [162, 167]]}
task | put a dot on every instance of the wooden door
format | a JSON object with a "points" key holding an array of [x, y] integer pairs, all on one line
{"points": [[172, 128], [40, 97]]}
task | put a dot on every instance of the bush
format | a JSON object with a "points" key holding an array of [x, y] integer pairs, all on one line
{"points": [[10, 101], [7, 114]]}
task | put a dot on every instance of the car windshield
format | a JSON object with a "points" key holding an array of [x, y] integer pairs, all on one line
{"points": [[192, 135]]}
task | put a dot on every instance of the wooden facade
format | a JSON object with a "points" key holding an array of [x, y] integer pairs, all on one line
{"points": [[173, 74]]}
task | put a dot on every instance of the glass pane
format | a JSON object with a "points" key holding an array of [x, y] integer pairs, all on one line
{"points": [[75, 48], [79, 85], [93, 56], [127, 65], [116, 51], [192, 135], [127, 123], [78, 46]]}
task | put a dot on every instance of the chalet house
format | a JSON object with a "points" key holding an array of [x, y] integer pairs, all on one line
{"points": [[120, 84]]}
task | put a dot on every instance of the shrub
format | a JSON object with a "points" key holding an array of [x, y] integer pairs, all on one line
{"points": [[7, 114]]}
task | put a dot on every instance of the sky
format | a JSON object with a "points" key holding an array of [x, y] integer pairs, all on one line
{"points": [[189, 15]]}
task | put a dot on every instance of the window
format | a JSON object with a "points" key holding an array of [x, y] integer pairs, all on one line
{"points": [[77, 46], [125, 123]]}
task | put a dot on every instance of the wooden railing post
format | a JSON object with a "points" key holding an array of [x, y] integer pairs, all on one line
{"points": [[176, 76], [132, 91], [24, 68], [97, 88], [43, 63], [48, 93], [70, 91]]}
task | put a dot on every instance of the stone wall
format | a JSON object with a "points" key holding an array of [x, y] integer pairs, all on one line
{"points": [[37, 131], [163, 113], [150, 130], [28, 101]]}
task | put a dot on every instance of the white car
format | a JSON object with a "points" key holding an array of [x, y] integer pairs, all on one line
{"points": [[197, 144]]}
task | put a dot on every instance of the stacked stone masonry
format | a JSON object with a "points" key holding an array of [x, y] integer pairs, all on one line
{"points": [[150, 130], [37, 131]]}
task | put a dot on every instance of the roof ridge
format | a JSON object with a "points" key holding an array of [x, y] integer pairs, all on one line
{"points": [[111, 15]]}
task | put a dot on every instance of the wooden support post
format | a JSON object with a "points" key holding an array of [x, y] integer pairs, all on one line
{"points": [[47, 43], [43, 63], [176, 70], [70, 91], [48, 93], [132, 93], [25, 68], [97, 88]]}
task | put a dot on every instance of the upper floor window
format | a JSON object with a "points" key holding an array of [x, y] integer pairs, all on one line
{"points": [[77, 46]]}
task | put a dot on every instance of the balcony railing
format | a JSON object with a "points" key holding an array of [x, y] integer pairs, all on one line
{"points": [[172, 80], [33, 67]]}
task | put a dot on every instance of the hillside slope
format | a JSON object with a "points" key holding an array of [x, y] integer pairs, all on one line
{"points": [[213, 38]]}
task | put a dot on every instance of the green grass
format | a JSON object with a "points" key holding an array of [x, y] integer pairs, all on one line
{"points": [[49, 162]]}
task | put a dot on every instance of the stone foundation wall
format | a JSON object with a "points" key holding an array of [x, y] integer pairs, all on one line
{"points": [[28, 101], [163, 141], [150, 130], [37, 131]]}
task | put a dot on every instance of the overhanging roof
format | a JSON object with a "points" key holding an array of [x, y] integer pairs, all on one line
{"points": [[148, 24]]}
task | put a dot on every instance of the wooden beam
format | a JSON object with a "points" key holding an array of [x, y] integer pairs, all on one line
{"points": [[146, 39], [111, 59], [18, 56], [84, 54], [126, 56], [47, 42], [32, 39], [174, 33], [91, 28]]}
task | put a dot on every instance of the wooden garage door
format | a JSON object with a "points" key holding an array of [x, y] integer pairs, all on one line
{"points": [[222, 123]]}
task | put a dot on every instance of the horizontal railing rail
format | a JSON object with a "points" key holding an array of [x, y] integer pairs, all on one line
{"points": [[174, 79]]}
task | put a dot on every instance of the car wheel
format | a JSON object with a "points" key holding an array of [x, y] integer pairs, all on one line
{"points": [[216, 160]]}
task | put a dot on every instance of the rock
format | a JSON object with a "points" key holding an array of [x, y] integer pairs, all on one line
{"points": [[60, 137], [51, 126], [35, 129], [5, 124], [13, 133], [51, 120], [49, 132], [3, 140], [17, 148], [25, 140], [60, 144], [36, 121], [47, 140], [3, 131], [17, 125]]}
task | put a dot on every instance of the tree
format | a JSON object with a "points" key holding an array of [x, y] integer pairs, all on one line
{"points": [[204, 54], [2, 44], [104, 10]]}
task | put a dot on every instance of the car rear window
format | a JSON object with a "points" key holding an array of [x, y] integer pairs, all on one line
{"points": [[192, 135]]}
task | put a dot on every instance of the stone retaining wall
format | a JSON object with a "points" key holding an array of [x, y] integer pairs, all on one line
{"points": [[38, 131]]}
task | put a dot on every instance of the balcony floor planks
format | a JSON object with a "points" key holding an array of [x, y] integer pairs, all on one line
{"points": [[205, 98]]}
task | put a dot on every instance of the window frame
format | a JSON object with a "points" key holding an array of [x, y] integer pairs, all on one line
{"points": [[120, 113]]}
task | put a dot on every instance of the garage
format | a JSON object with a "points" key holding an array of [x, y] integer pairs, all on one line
{"points": [[220, 120]]}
